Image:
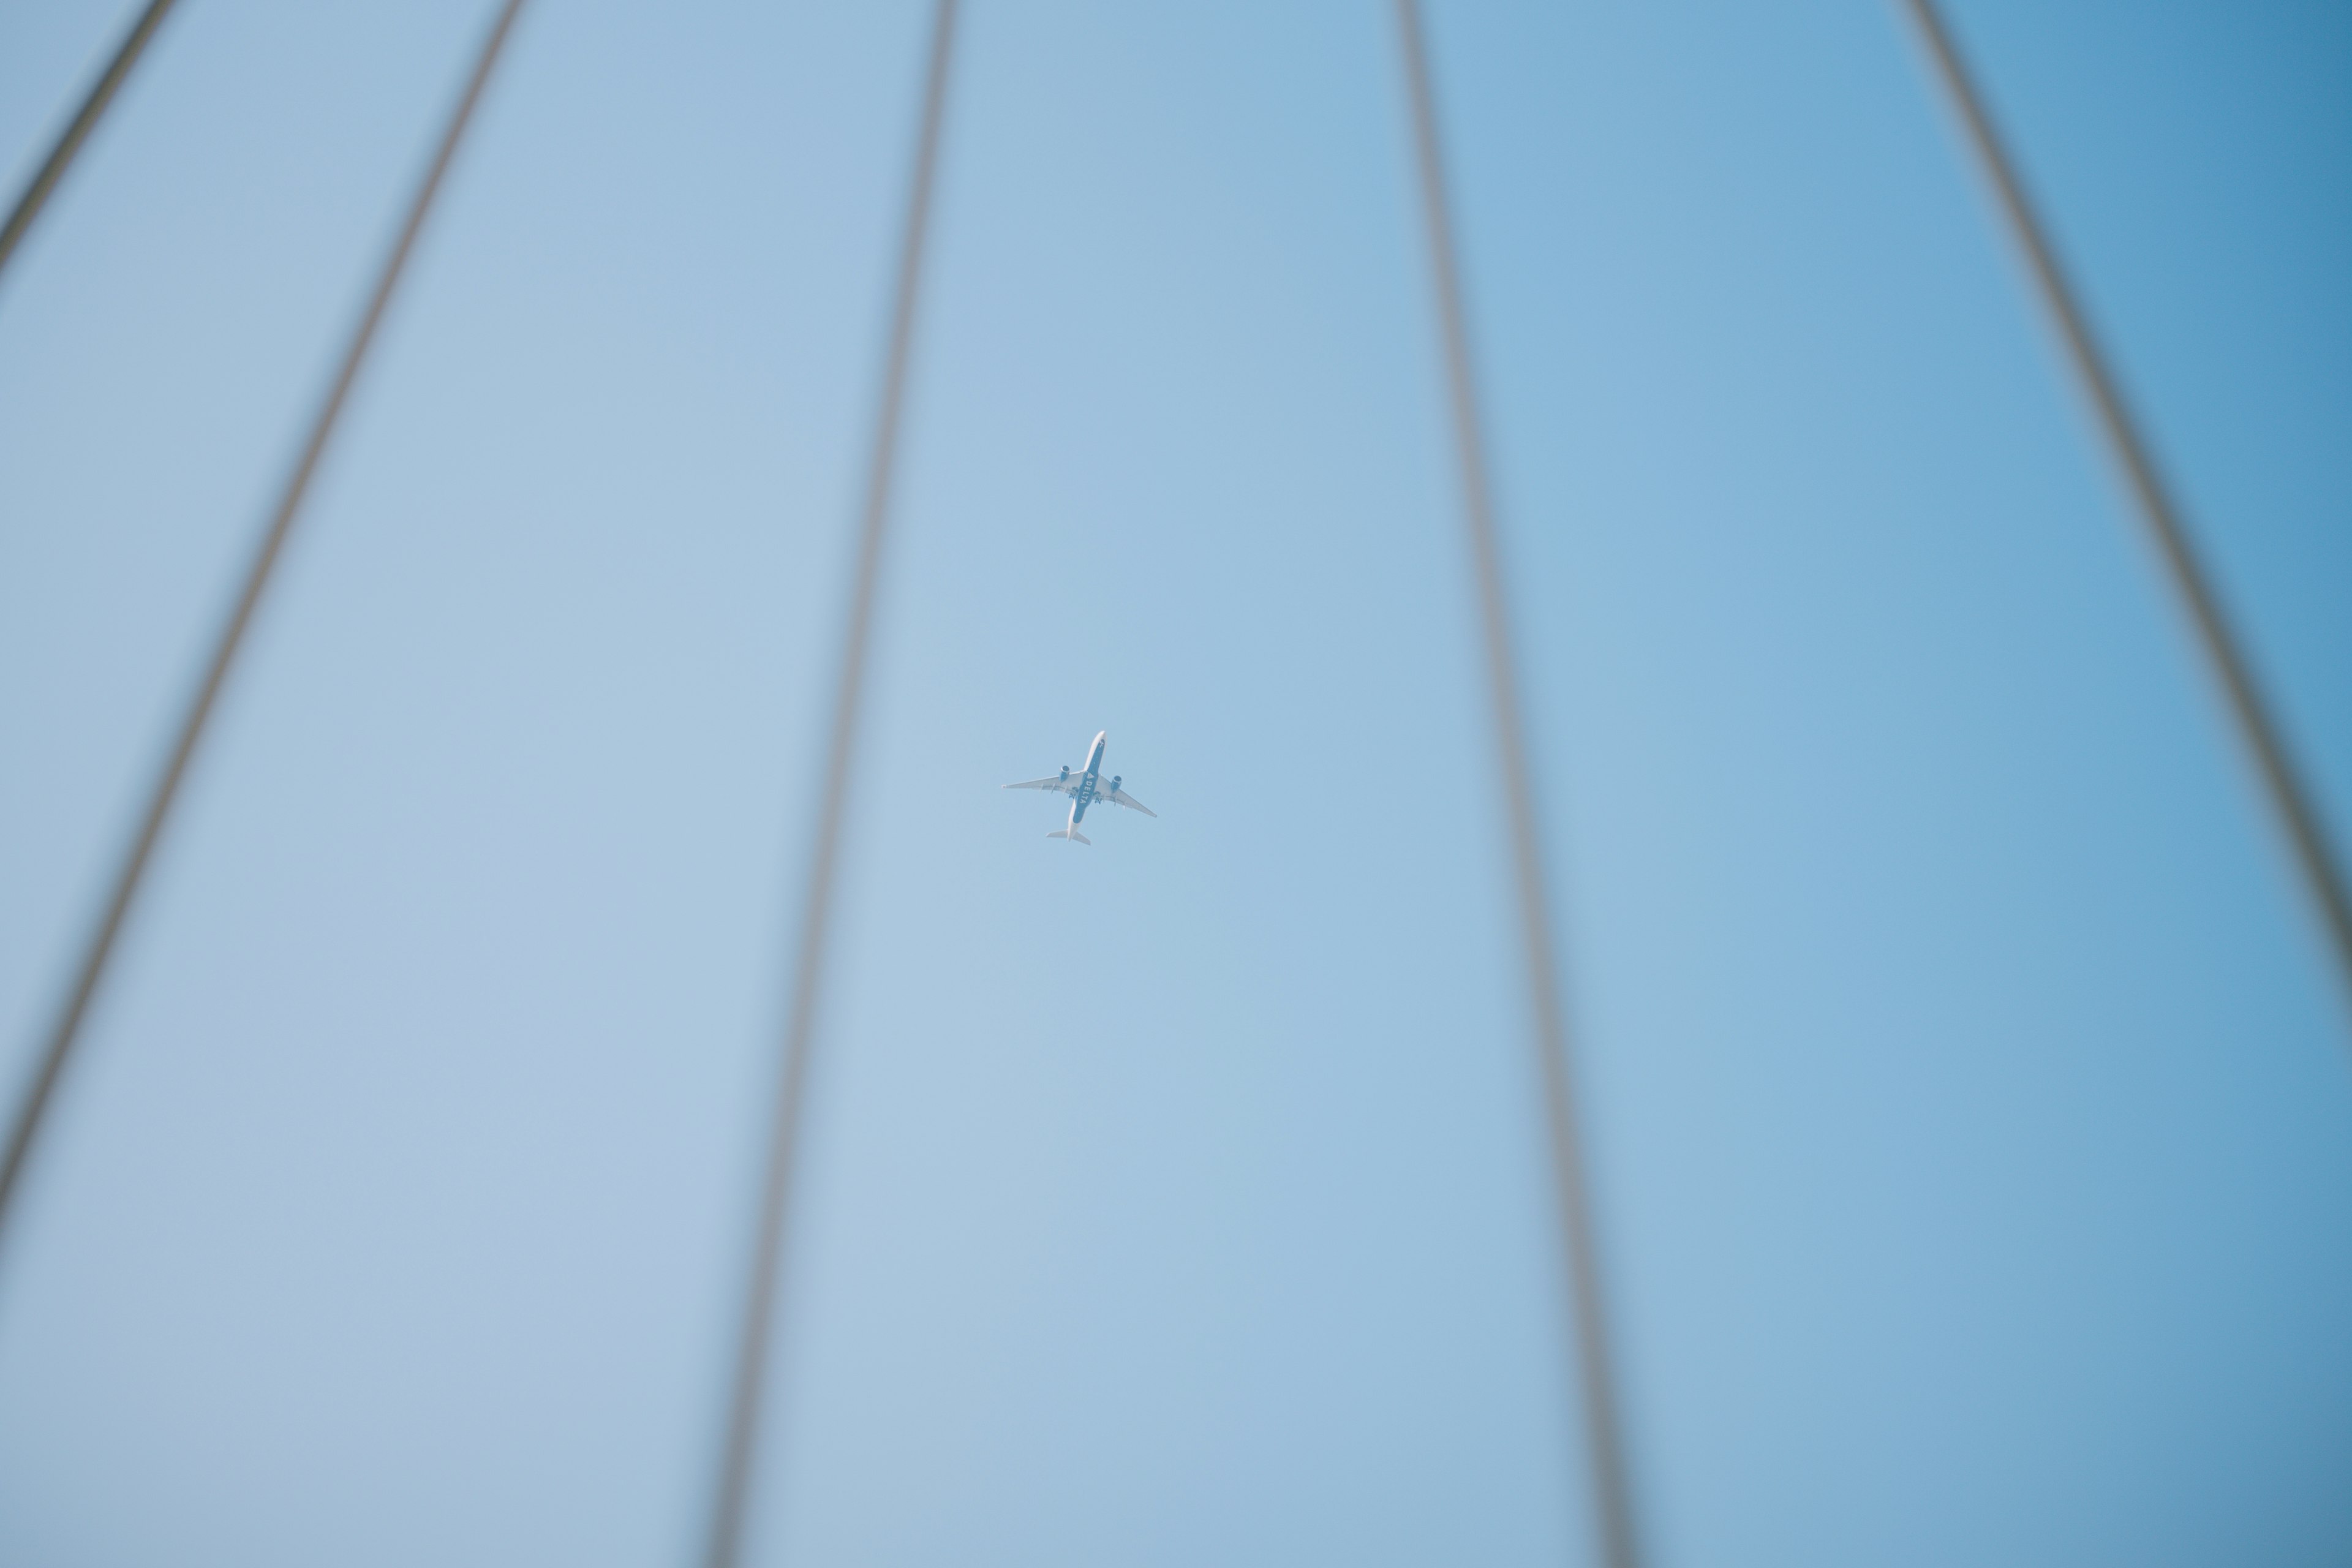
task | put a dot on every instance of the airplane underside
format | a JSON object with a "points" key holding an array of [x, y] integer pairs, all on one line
{"points": [[1084, 788], [1069, 829]]}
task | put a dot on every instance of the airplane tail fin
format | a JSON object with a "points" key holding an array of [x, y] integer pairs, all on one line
{"points": [[1070, 833]]}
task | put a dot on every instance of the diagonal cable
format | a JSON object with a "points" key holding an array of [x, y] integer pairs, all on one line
{"points": [[61, 156], [67, 1030], [2306, 834], [1603, 1427], [724, 1546]]}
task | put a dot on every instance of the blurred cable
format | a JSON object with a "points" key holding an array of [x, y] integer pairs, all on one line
{"points": [[61, 156], [2306, 835], [1603, 1428], [730, 1506], [67, 1030]]}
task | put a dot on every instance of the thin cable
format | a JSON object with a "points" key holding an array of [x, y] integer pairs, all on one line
{"points": [[730, 1506], [67, 1030], [2306, 835], [1587, 1328], [53, 169]]}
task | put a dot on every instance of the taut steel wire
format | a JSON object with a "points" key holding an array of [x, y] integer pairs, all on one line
{"points": [[729, 1505], [2306, 834], [1589, 1327], [101, 93], [67, 1029]]}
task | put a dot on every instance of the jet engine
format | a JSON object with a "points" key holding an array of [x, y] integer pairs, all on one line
{"points": [[1114, 784]]}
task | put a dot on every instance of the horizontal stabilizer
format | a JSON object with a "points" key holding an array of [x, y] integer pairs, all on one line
{"points": [[1070, 833]]}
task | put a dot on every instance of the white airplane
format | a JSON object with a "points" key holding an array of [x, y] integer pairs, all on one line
{"points": [[1084, 790]]}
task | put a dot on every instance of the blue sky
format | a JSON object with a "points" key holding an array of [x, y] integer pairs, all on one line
{"points": [[1969, 1099]]}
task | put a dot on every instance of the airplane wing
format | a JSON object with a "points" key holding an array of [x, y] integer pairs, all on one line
{"points": [[1056, 785], [1120, 797]]}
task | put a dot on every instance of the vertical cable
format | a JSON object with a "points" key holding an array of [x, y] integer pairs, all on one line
{"points": [[730, 1506], [67, 1030], [1604, 1434], [101, 93], [2306, 835]]}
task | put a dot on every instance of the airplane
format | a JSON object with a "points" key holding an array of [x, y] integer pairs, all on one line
{"points": [[1084, 790]]}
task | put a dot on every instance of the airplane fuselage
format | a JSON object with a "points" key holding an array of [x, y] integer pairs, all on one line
{"points": [[1089, 781], [1085, 787]]}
